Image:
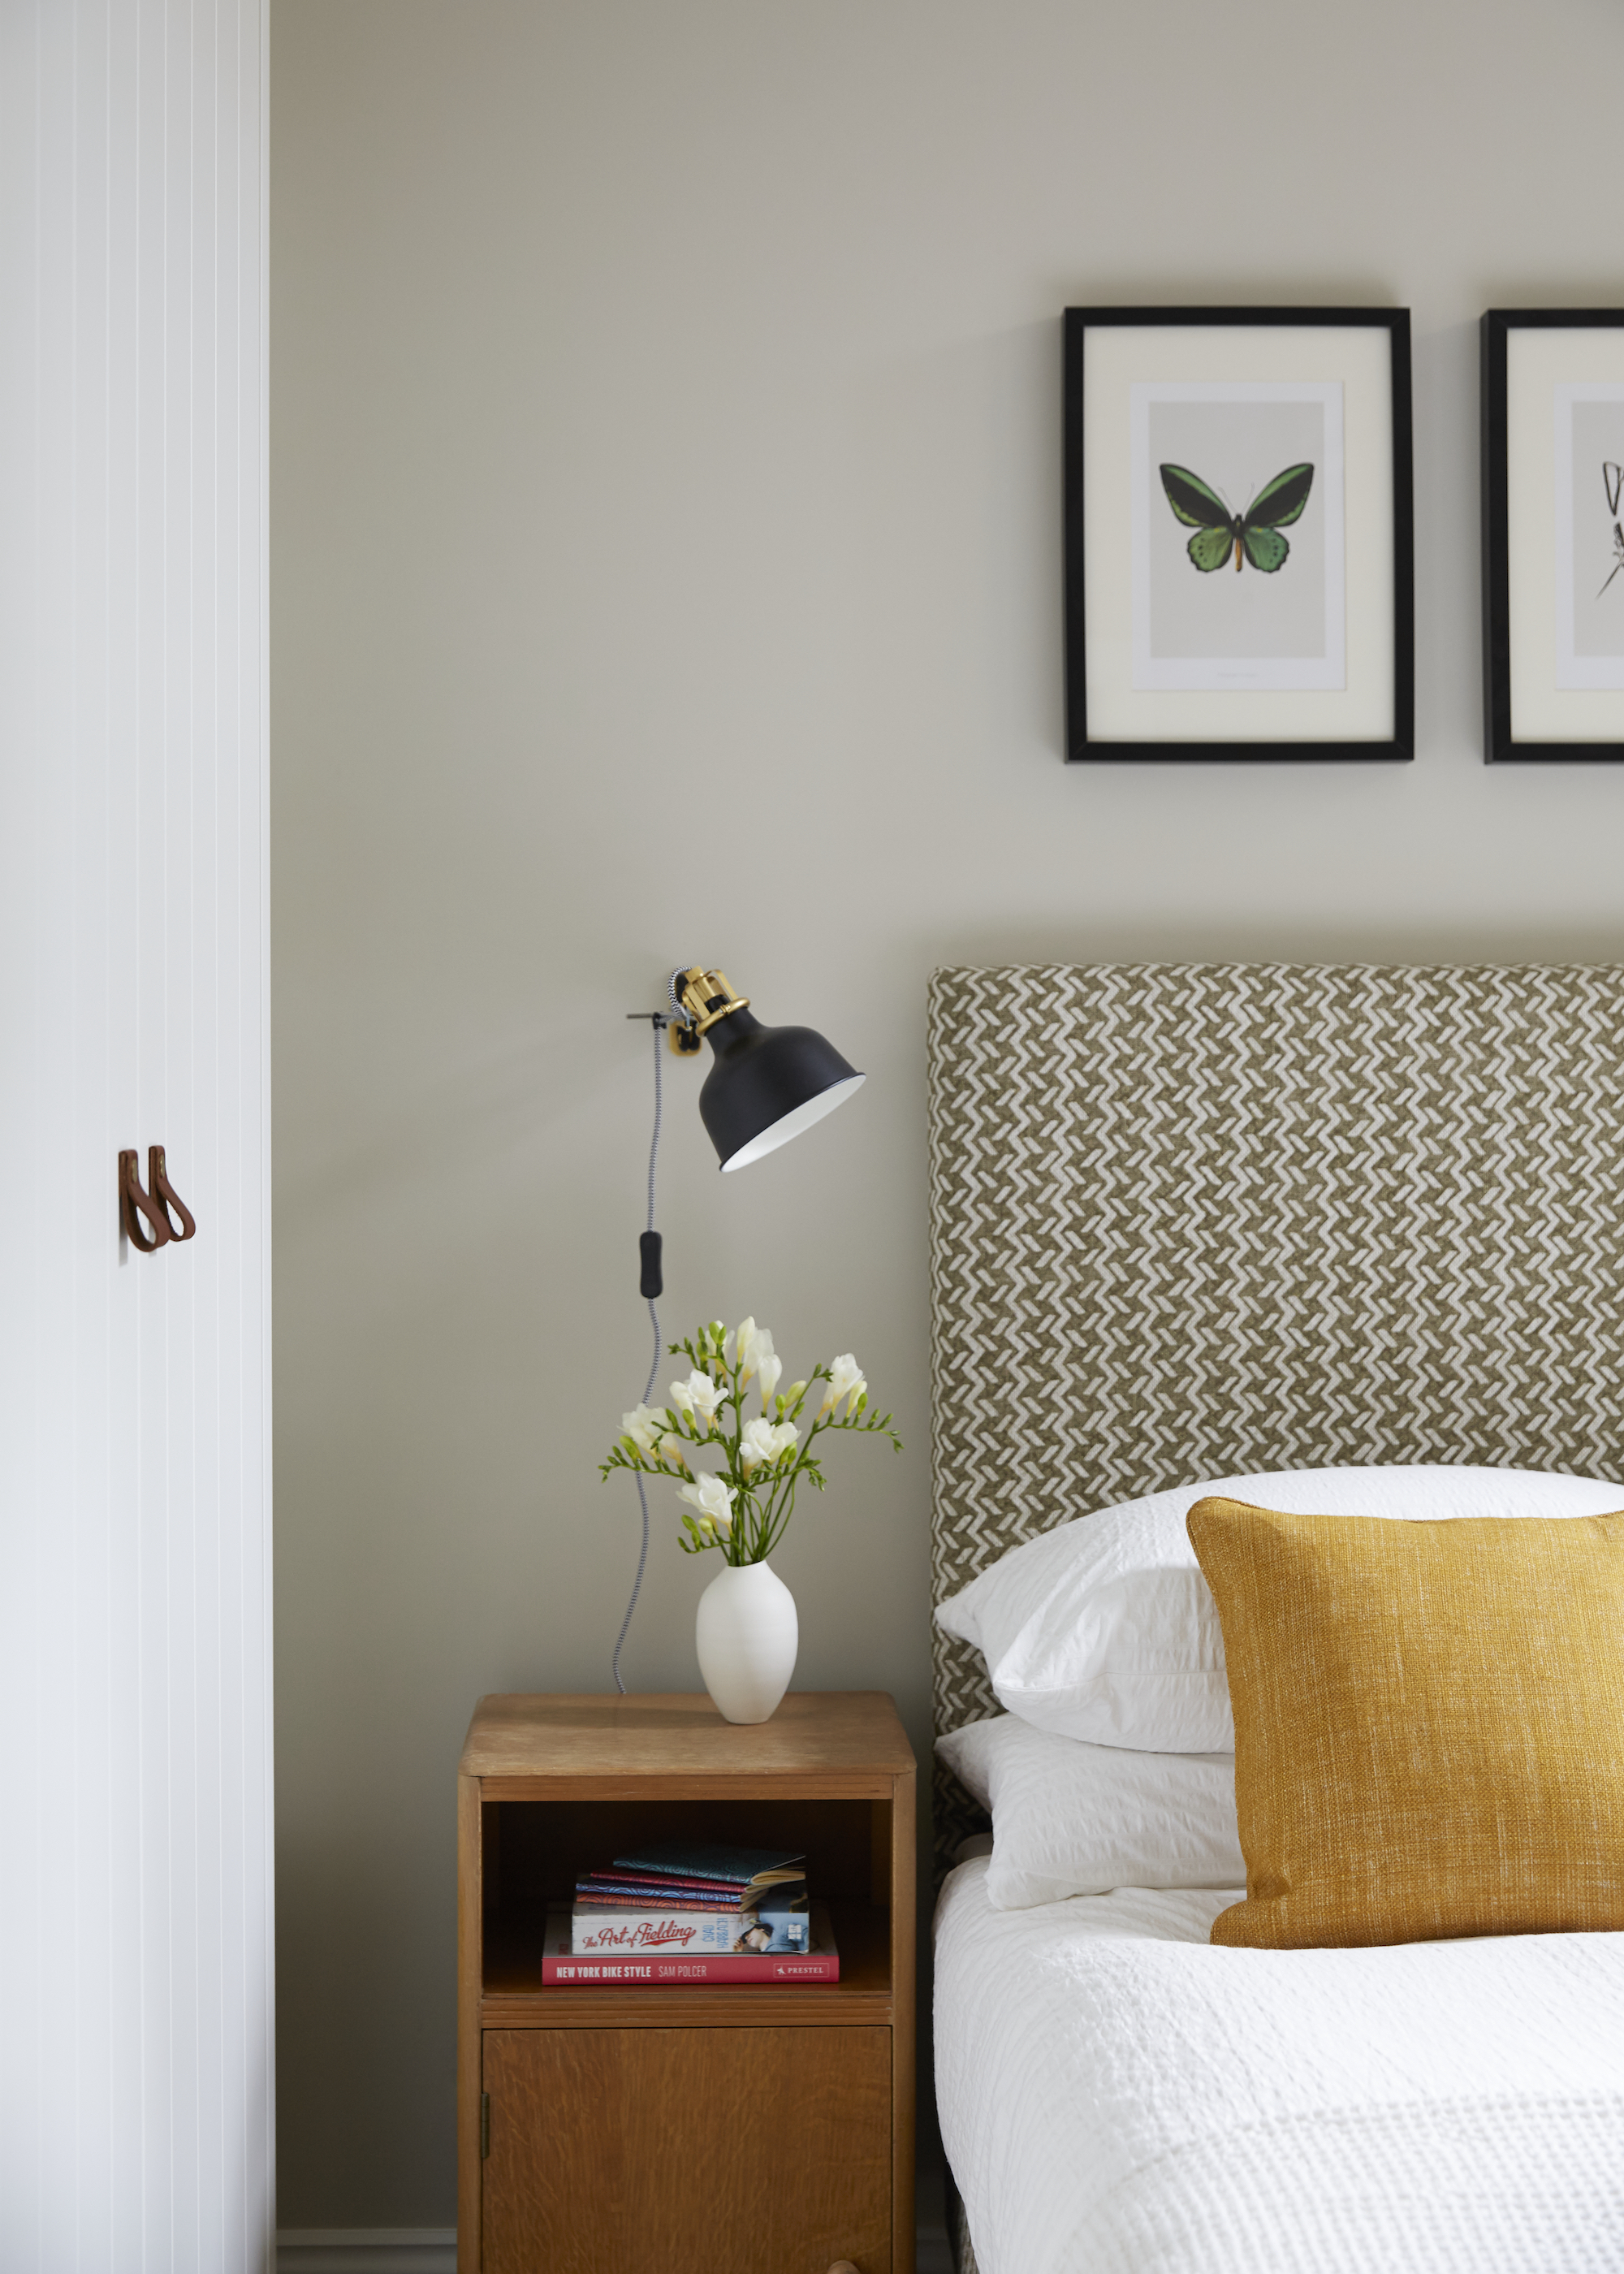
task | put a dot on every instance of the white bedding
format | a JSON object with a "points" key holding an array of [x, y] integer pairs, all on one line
{"points": [[1118, 2098]]}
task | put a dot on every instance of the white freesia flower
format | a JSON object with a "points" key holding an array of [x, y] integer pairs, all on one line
{"points": [[763, 1441], [698, 1396], [754, 1347], [708, 1394], [713, 1499], [770, 1368], [672, 1449], [643, 1426], [844, 1375]]}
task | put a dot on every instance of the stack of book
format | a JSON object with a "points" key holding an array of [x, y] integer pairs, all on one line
{"points": [[681, 1911]]}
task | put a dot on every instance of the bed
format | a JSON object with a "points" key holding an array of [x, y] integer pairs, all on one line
{"points": [[1193, 1221]]}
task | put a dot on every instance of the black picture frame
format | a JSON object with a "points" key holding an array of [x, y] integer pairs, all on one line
{"points": [[1081, 749], [1499, 747]]}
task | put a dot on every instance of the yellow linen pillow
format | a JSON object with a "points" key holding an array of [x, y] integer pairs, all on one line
{"points": [[1429, 1723]]}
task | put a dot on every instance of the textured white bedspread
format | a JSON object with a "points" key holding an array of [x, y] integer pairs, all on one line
{"points": [[1118, 2098]]}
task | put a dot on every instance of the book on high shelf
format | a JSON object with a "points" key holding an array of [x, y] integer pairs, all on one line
{"points": [[676, 1968], [603, 1889], [712, 1864]]}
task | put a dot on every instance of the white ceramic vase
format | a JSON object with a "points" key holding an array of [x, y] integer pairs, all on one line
{"points": [[747, 1634]]}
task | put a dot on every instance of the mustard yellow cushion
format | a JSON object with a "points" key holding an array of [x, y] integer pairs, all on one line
{"points": [[1429, 1723]]}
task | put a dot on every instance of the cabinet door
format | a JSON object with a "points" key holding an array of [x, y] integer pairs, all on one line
{"points": [[688, 2151], [135, 1679]]}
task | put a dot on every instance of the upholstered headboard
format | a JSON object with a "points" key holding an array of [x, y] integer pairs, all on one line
{"points": [[1188, 1220]]}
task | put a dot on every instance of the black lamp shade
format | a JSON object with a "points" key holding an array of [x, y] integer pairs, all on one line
{"points": [[768, 1084]]}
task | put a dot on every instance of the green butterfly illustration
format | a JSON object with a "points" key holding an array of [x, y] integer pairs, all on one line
{"points": [[1256, 532]]}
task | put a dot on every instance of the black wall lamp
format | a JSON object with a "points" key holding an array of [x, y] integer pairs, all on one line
{"points": [[767, 1083]]}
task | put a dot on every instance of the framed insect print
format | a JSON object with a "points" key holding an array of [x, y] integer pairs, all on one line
{"points": [[1238, 537], [1553, 535]]}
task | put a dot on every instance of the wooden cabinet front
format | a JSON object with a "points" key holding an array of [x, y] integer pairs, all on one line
{"points": [[688, 2151]]}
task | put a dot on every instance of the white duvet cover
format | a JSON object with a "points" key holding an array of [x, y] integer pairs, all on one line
{"points": [[1118, 2098]]}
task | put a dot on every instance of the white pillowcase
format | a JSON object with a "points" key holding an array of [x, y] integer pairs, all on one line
{"points": [[1072, 1820], [1105, 1630]]}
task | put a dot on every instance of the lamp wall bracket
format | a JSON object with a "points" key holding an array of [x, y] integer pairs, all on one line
{"points": [[704, 998]]}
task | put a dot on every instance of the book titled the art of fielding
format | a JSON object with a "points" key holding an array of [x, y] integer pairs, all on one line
{"points": [[675, 1967], [736, 1933]]}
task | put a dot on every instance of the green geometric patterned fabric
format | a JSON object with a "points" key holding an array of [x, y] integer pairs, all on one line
{"points": [[1191, 1220]]}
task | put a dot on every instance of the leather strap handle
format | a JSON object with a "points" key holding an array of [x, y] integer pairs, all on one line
{"points": [[168, 1199], [133, 1203]]}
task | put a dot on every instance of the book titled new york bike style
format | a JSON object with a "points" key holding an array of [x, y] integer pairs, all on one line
{"points": [[675, 1968]]}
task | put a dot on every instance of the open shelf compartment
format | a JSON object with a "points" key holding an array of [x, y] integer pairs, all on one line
{"points": [[532, 1852]]}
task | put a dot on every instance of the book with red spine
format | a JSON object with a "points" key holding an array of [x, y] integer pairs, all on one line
{"points": [[735, 1893], [563, 1968], [594, 1899], [715, 1904], [661, 1891]]}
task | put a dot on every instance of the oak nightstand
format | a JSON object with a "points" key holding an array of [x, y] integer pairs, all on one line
{"points": [[751, 2130]]}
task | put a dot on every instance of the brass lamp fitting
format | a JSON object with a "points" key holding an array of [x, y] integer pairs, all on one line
{"points": [[704, 997]]}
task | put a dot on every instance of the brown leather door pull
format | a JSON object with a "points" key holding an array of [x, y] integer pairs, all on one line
{"points": [[160, 1203], [168, 1199], [133, 1203]]}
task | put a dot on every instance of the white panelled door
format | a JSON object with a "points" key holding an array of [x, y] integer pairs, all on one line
{"points": [[136, 2108]]}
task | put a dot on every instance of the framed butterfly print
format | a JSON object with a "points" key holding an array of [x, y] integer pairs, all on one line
{"points": [[1553, 535], [1238, 536]]}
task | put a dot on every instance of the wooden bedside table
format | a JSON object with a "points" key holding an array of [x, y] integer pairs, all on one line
{"points": [[752, 2130]]}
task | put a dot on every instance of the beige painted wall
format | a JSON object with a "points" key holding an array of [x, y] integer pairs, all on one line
{"points": [[665, 447]]}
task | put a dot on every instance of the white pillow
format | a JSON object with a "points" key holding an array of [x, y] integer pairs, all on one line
{"points": [[1105, 1630], [1072, 1819]]}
